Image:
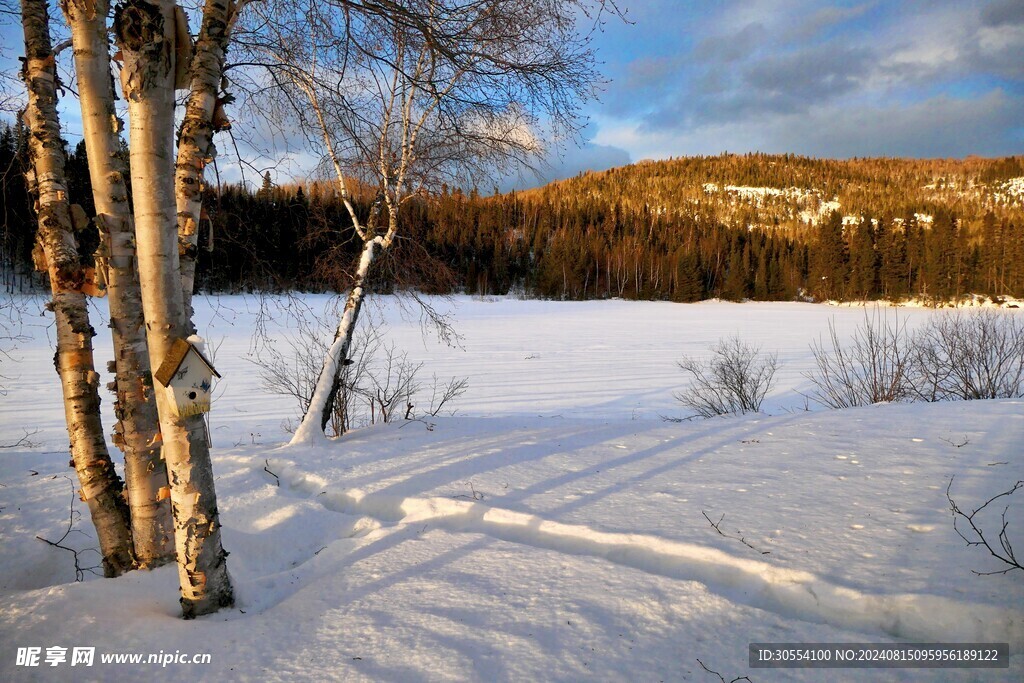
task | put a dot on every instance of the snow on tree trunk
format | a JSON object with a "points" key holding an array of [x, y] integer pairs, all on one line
{"points": [[146, 34], [101, 488], [318, 413], [138, 430], [202, 120]]}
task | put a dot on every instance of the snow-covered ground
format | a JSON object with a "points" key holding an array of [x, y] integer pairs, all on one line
{"points": [[556, 528]]}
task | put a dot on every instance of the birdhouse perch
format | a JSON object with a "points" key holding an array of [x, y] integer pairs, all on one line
{"points": [[187, 377]]}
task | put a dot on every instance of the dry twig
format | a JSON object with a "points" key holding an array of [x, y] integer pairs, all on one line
{"points": [[720, 676], [79, 569], [1005, 553], [716, 526]]}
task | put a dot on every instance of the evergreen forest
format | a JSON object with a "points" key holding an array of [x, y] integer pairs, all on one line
{"points": [[753, 226]]}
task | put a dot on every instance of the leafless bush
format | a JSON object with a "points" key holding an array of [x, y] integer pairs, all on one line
{"points": [[393, 385], [291, 369], [734, 380], [970, 355], [873, 367], [443, 394], [378, 384]]}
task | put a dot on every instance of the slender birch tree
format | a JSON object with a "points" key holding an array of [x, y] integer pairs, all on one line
{"points": [[203, 117], [101, 488], [138, 428], [403, 96], [146, 33], [391, 154]]}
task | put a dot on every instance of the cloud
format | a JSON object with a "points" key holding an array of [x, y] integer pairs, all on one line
{"points": [[953, 43], [785, 83], [733, 47], [943, 126], [1003, 12], [643, 82], [811, 74], [991, 124], [826, 18], [999, 50], [937, 127], [642, 73], [589, 157]]}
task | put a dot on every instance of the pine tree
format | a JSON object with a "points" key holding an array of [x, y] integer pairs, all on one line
{"points": [[892, 248], [829, 258], [863, 261]]}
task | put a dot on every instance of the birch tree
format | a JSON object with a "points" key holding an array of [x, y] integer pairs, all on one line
{"points": [[152, 51], [100, 486], [203, 117], [403, 96], [138, 428]]}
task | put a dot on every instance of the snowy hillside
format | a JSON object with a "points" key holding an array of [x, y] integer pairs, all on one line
{"points": [[556, 528]]}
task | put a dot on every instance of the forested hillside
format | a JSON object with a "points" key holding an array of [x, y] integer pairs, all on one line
{"points": [[751, 226], [731, 226]]}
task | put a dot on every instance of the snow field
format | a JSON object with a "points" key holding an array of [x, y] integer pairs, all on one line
{"points": [[554, 529]]}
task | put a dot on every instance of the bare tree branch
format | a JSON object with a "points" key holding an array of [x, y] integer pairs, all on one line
{"points": [[976, 535]]}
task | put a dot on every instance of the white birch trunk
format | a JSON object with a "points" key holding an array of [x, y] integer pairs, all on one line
{"points": [[138, 430], [319, 410], [100, 487], [145, 33], [195, 144], [318, 413]]}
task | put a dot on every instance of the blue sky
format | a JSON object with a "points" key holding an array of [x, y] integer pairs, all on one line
{"points": [[936, 78], [827, 79]]}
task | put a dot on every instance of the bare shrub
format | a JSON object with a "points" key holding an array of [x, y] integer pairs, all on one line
{"points": [[872, 367], [970, 355], [378, 382], [734, 380], [391, 386], [291, 369], [442, 394]]}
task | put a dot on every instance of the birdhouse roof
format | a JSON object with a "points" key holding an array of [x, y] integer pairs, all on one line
{"points": [[179, 350]]}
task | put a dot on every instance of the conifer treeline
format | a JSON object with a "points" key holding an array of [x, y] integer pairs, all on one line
{"points": [[935, 228], [18, 224], [600, 235], [590, 248]]}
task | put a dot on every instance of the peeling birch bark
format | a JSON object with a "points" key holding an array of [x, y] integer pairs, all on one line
{"points": [[145, 33], [195, 142], [137, 432], [101, 488]]}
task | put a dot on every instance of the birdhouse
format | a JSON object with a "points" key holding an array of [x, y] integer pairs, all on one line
{"points": [[187, 377]]}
